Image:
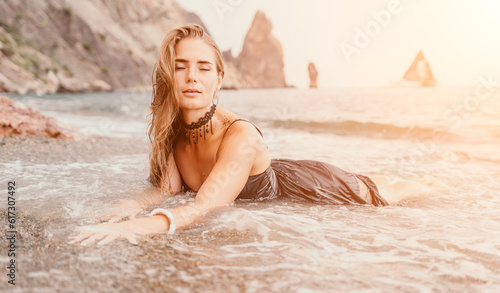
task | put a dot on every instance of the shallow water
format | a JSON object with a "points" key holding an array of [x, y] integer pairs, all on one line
{"points": [[444, 241]]}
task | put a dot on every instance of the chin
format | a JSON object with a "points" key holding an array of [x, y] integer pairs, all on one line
{"points": [[187, 103]]}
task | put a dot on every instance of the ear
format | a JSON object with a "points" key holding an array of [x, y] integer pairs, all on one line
{"points": [[219, 81]]}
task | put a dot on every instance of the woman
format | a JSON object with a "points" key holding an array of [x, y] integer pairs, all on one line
{"points": [[220, 155]]}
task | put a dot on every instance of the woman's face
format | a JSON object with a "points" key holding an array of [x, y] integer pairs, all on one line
{"points": [[196, 73]]}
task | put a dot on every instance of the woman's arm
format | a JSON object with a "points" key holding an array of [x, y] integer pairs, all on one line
{"points": [[229, 175], [149, 197]]}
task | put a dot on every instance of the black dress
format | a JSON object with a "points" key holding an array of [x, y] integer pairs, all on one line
{"points": [[307, 180]]}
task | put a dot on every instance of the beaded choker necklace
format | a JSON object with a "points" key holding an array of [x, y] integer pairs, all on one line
{"points": [[200, 128]]}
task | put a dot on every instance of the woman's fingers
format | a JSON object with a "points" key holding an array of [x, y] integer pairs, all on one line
{"points": [[93, 238], [108, 239], [82, 234], [131, 238], [102, 234]]}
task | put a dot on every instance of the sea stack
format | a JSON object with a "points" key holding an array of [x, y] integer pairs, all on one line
{"points": [[261, 58], [313, 75], [420, 71]]}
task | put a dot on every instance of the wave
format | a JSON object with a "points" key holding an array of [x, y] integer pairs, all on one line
{"points": [[421, 156], [368, 129]]}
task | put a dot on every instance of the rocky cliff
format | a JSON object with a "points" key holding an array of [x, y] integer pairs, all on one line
{"points": [[98, 45], [58, 45], [261, 59]]}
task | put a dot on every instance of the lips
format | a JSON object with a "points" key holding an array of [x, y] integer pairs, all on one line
{"points": [[191, 91]]}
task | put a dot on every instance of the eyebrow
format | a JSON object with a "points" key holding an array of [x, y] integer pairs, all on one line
{"points": [[199, 61]]}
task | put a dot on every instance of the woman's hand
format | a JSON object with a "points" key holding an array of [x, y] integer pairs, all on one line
{"points": [[125, 209], [105, 232]]}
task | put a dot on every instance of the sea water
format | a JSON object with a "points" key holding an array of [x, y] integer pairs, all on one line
{"points": [[437, 146]]}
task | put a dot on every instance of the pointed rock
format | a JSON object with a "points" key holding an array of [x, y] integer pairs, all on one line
{"points": [[261, 59], [420, 71], [313, 75]]}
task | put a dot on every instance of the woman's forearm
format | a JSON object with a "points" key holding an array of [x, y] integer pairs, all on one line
{"points": [[159, 223], [186, 215], [148, 225]]}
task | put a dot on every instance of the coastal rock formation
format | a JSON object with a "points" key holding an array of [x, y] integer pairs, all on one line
{"points": [[79, 46], [313, 75], [75, 46], [420, 71], [233, 78], [17, 119], [100, 86], [261, 58]]}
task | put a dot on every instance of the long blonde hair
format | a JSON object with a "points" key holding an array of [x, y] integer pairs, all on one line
{"points": [[164, 110]]}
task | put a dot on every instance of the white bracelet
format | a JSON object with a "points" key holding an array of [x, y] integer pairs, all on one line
{"points": [[170, 216]]}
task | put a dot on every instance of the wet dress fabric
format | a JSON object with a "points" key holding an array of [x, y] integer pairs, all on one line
{"points": [[307, 180]]}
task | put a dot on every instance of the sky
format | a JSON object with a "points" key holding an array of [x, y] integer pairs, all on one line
{"points": [[360, 43]]}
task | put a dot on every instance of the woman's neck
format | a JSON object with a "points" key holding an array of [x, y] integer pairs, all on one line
{"points": [[193, 115], [202, 124]]}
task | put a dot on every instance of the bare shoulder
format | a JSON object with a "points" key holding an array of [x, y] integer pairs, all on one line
{"points": [[236, 125], [241, 136], [242, 129], [239, 143]]}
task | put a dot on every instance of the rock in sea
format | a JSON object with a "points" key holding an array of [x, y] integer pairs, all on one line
{"points": [[17, 119], [313, 75]]}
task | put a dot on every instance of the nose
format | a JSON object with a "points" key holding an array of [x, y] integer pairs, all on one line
{"points": [[191, 75]]}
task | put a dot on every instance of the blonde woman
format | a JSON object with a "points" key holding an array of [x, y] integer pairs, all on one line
{"points": [[199, 146]]}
